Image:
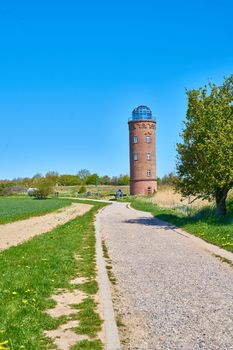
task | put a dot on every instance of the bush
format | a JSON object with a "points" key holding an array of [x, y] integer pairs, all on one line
{"points": [[5, 189], [82, 190], [43, 189]]}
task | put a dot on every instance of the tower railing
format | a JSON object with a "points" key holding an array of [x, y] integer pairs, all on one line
{"points": [[142, 119]]}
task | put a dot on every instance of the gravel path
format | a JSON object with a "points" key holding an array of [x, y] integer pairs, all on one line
{"points": [[20, 231], [171, 293]]}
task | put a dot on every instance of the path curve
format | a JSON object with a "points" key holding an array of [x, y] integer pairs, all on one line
{"points": [[19, 231], [172, 294]]}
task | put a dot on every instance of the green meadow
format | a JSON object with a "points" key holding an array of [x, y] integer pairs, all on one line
{"points": [[33, 271], [19, 208]]}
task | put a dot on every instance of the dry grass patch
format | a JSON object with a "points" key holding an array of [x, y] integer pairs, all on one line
{"points": [[169, 198]]}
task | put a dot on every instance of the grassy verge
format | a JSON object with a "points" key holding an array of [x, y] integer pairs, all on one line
{"points": [[19, 208], [113, 280], [202, 223], [30, 275], [108, 262]]}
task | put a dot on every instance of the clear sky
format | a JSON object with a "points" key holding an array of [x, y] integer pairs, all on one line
{"points": [[71, 72]]}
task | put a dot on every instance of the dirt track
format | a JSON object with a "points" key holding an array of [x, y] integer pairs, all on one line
{"points": [[20, 231]]}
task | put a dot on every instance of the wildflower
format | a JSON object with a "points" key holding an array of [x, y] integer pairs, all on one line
{"points": [[28, 291], [24, 301], [227, 244], [14, 293], [2, 345]]}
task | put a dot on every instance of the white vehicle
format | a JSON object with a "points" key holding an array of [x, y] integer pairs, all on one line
{"points": [[32, 191]]}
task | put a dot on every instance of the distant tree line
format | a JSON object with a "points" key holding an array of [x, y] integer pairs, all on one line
{"points": [[82, 178]]}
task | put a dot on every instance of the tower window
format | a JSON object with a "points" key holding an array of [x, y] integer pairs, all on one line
{"points": [[148, 156], [135, 139], [148, 139], [148, 172], [135, 156]]}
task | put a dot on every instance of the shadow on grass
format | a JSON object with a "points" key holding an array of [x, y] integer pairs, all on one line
{"points": [[204, 216]]}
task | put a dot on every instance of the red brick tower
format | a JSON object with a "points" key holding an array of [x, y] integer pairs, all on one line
{"points": [[142, 128]]}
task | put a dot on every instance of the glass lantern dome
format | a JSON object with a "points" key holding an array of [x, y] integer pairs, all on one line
{"points": [[142, 113]]}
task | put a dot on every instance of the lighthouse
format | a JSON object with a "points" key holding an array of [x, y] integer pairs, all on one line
{"points": [[142, 132]]}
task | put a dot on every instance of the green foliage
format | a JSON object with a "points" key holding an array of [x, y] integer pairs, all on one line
{"points": [[105, 180], [22, 181], [92, 179], [167, 180], [121, 180], [19, 208], [205, 157], [108, 263], [82, 190], [69, 180], [83, 174], [88, 345], [5, 188], [44, 188], [32, 272], [84, 177], [52, 176]]}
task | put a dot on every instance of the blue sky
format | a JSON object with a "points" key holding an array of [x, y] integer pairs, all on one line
{"points": [[72, 71]]}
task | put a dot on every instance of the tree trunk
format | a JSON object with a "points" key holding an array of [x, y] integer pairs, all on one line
{"points": [[220, 197]]}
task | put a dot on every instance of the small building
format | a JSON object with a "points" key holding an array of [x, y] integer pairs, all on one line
{"points": [[142, 132]]}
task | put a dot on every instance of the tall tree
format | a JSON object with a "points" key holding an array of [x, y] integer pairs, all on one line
{"points": [[52, 176], [83, 174], [69, 180], [92, 179], [123, 180], [105, 180], [205, 157]]}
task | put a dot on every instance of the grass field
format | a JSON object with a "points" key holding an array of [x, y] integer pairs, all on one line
{"points": [[101, 191], [200, 222], [30, 275], [18, 208]]}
